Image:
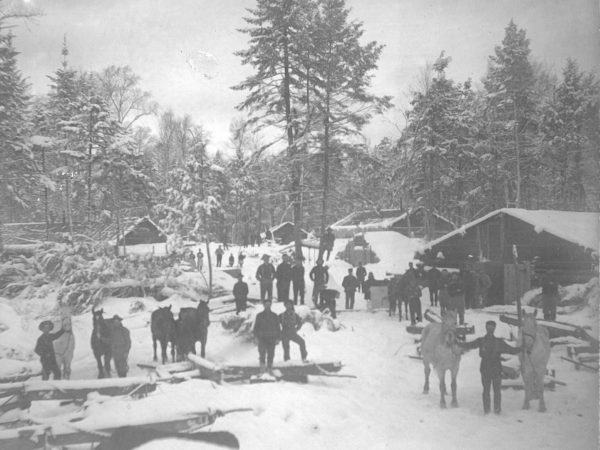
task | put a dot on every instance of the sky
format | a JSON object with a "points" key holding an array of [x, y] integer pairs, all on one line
{"points": [[183, 50]]}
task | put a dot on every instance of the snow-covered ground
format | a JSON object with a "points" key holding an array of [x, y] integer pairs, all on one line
{"points": [[382, 408]]}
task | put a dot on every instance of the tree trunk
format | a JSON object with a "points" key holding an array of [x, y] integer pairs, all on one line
{"points": [[518, 155], [326, 126]]}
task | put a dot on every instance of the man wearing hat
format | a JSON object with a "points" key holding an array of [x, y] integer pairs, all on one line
{"points": [[490, 349], [319, 277], [240, 294], [268, 332], [265, 275], [298, 281], [120, 344], [45, 350]]}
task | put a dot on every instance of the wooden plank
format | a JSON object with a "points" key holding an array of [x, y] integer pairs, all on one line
{"points": [[460, 330], [580, 364]]}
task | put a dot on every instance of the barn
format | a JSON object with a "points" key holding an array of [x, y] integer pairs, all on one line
{"points": [[564, 243], [284, 233], [411, 223]]}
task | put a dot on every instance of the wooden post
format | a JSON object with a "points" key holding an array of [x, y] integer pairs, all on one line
{"points": [[518, 283]]}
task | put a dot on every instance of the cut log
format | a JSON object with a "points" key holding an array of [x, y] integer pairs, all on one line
{"points": [[549, 383], [461, 330], [432, 316], [579, 364], [18, 378], [555, 329]]}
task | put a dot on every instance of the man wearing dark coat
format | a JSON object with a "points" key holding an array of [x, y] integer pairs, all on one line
{"points": [[433, 282], [219, 252], [240, 294], [45, 350], [320, 277], [550, 297], [290, 324], [490, 348], [328, 240], [361, 275], [265, 275], [268, 331], [350, 283], [457, 297], [120, 344], [284, 276], [298, 281]]}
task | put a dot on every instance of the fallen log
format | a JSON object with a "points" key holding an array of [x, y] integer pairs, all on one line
{"points": [[549, 383], [580, 364], [461, 330], [555, 329]]}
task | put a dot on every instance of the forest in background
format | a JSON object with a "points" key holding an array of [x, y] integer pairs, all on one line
{"points": [[520, 137]]}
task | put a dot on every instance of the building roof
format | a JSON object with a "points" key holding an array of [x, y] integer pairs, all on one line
{"points": [[383, 218], [581, 228], [108, 232], [284, 224]]}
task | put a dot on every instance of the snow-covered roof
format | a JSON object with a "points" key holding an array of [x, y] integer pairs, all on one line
{"points": [[581, 228], [109, 232], [383, 219], [283, 224]]}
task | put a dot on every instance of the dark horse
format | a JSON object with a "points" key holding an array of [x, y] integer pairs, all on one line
{"points": [[162, 326], [191, 326], [101, 342]]}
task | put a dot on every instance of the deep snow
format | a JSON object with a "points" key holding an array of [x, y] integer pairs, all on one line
{"points": [[383, 408]]}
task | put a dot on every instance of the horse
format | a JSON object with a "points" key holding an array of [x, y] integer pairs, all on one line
{"points": [[535, 342], [162, 327], [100, 342], [191, 326], [440, 349]]}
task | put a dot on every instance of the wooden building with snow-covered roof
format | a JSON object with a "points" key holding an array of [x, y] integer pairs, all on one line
{"points": [[138, 235], [284, 233], [411, 223], [565, 243]]}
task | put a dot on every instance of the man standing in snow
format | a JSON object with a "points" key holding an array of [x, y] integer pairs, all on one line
{"points": [[200, 260], [457, 297], [320, 278], [490, 348], [267, 330], [433, 283], [45, 350], [265, 275], [284, 276], [240, 294], [550, 297], [328, 240], [64, 347], [361, 275], [485, 283], [350, 283], [219, 253], [290, 324], [298, 281], [120, 344]]}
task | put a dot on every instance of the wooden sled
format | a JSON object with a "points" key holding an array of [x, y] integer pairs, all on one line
{"points": [[549, 383], [21, 394], [288, 370], [85, 431]]}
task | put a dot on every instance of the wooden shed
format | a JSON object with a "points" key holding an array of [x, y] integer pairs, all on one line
{"points": [[136, 234], [564, 243], [284, 233]]}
